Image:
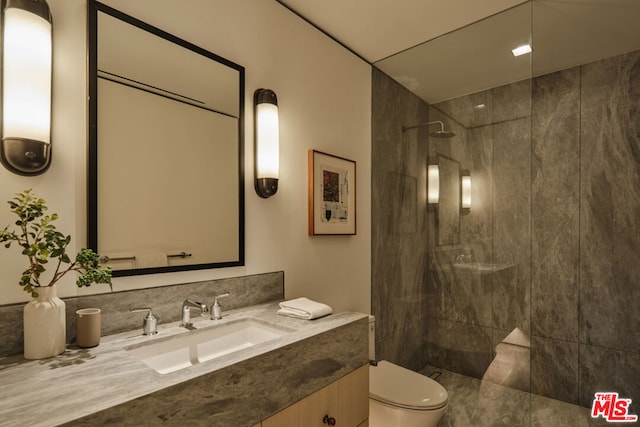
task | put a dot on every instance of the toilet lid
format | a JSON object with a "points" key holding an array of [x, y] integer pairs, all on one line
{"points": [[398, 386]]}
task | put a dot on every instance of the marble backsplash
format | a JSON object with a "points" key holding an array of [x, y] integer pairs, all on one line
{"points": [[166, 302]]}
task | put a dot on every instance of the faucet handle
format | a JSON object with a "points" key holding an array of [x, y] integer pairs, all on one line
{"points": [[223, 295], [149, 323], [216, 308], [204, 309]]}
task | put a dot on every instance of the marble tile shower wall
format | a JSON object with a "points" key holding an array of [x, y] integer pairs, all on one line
{"points": [[609, 238], [555, 163], [398, 211], [473, 310], [165, 302]]}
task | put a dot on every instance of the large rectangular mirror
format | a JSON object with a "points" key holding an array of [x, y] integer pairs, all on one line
{"points": [[166, 178]]}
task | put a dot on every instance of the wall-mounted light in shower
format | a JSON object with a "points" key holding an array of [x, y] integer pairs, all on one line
{"points": [[465, 191], [433, 185], [26, 86], [521, 50], [267, 142]]}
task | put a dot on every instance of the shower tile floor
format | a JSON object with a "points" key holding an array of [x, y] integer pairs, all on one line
{"points": [[477, 403]]}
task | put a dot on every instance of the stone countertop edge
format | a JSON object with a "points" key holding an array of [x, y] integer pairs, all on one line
{"points": [[80, 382]]}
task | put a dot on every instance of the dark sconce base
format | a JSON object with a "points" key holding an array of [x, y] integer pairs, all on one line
{"points": [[266, 187], [25, 156]]}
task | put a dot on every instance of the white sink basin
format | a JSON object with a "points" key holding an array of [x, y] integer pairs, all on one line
{"points": [[200, 345]]}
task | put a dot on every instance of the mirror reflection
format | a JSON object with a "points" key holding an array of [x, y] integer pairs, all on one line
{"points": [[165, 175], [449, 203]]}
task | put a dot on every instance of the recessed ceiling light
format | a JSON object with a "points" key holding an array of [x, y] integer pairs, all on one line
{"points": [[521, 50]]}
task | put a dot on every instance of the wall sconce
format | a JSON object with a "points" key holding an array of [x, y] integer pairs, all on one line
{"points": [[465, 193], [267, 142], [26, 86], [433, 185]]}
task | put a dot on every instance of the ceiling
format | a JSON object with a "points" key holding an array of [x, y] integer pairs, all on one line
{"points": [[376, 29], [442, 49]]}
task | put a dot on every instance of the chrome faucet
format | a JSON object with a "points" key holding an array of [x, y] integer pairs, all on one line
{"points": [[187, 305], [463, 258]]}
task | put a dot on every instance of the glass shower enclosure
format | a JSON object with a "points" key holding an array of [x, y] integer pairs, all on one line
{"points": [[532, 285]]}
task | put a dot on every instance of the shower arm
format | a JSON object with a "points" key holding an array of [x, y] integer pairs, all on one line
{"points": [[437, 122]]}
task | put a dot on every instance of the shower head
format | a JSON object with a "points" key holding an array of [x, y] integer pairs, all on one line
{"points": [[442, 133]]}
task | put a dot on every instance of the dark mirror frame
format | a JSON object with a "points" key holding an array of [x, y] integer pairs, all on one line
{"points": [[93, 7]]}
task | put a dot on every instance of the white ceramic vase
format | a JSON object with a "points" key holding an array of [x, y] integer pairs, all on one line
{"points": [[44, 325]]}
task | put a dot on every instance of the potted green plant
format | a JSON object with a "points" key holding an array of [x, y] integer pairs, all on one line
{"points": [[35, 233]]}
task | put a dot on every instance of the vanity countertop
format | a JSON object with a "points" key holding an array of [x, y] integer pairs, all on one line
{"points": [[81, 382]]}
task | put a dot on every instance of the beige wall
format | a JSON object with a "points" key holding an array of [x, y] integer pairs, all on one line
{"points": [[324, 96]]}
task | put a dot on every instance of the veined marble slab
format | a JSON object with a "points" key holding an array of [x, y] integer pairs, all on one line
{"points": [[105, 384]]}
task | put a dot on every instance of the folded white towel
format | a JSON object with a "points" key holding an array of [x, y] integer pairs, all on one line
{"points": [[304, 308]]}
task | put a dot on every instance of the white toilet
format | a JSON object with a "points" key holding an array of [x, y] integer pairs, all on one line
{"points": [[399, 397]]}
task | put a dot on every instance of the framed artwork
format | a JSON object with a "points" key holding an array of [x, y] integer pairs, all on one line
{"points": [[332, 194]]}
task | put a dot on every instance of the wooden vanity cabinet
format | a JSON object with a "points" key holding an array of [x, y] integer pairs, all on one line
{"points": [[343, 403]]}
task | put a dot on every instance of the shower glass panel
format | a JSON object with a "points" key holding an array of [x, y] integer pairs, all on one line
{"points": [[533, 299], [477, 284], [481, 325]]}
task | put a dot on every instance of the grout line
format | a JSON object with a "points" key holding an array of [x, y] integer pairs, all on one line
{"points": [[579, 225]]}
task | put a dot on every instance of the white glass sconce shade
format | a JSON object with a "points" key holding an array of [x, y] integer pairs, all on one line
{"points": [[433, 184], [26, 86], [465, 194], [267, 142], [268, 147]]}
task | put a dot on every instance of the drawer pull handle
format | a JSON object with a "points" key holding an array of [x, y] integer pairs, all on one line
{"points": [[329, 420]]}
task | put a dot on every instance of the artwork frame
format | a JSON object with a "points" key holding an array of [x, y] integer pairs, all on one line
{"points": [[332, 194]]}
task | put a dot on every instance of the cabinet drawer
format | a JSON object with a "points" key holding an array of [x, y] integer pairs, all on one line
{"points": [[346, 401]]}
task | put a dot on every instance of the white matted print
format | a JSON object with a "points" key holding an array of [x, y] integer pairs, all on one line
{"points": [[332, 194]]}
